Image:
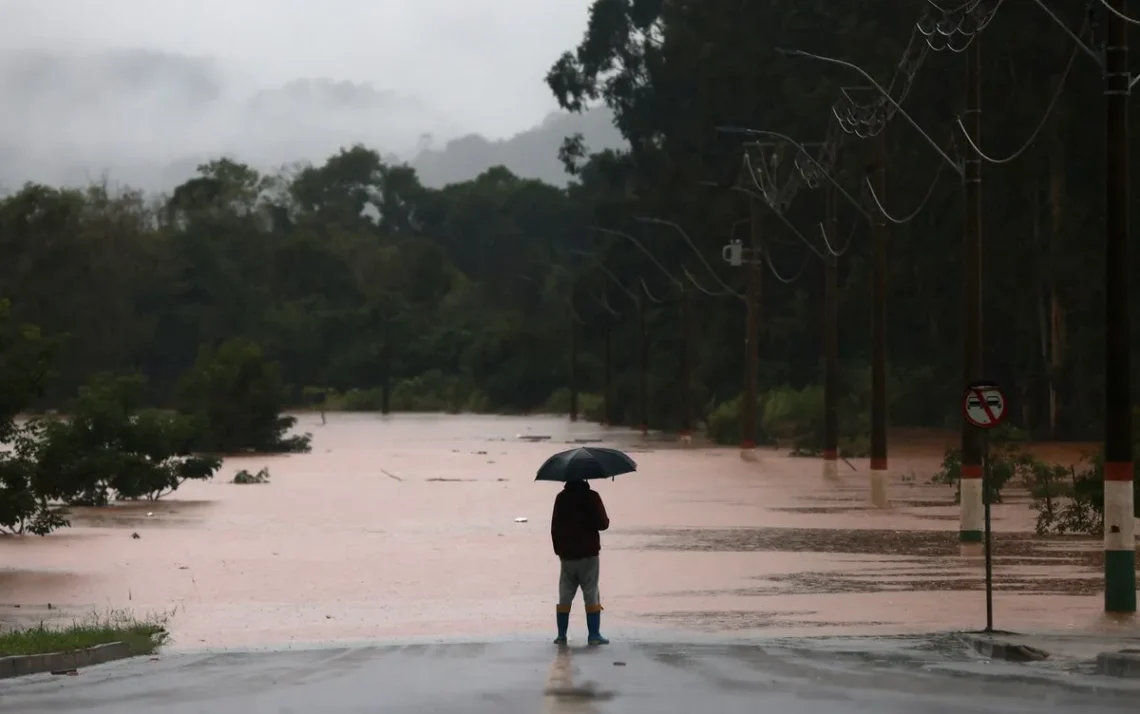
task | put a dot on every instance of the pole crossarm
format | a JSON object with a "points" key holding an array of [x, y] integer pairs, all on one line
{"points": [[956, 165], [824, 172]]}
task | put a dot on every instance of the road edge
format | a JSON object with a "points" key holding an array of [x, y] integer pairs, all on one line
{"points": [[22, 665], [991, 648], [1119, 664]]}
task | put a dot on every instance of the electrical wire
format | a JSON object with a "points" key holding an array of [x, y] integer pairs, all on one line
{"points": [[785, 221], [609, 274], [776, 273], [636, 242], [1041, 125], [693, 245], [1119, 14], [911, 216], [846, 244], [652, 299], [696, 284]]}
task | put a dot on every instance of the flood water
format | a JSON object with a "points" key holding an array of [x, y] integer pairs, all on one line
{"points": [[406, 526]]}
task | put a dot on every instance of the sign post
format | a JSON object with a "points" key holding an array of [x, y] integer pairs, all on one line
{"points": [[985, 407]]}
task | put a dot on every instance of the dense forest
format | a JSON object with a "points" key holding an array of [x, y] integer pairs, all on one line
{"points": [[371, 291]]}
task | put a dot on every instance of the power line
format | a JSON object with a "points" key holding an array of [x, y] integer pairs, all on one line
{"points": [[1041, 125]]}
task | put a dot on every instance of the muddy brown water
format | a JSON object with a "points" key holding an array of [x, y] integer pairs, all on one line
{"points": [[406, 526]]}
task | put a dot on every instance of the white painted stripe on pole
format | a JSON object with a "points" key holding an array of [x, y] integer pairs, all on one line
{"points": [[831, 469], [973, 515], [1119, 523], [879, 486]]}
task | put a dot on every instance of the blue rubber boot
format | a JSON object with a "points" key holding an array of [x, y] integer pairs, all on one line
{"points": [[594, 627], [563, 625]]}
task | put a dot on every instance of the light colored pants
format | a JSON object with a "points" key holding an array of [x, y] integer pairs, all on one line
{"points": [[582, 573]]}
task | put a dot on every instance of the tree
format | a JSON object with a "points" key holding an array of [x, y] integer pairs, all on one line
{"points": [[25, 358], [107, 447], [236, 398]]}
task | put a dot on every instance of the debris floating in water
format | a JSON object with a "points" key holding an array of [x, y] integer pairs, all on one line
{"points": [[532, 437], [520, 519]]}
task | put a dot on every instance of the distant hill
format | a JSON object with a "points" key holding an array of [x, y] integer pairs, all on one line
{"points": [[532, 154], [148, 118]]}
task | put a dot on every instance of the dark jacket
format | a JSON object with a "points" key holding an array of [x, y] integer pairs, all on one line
{"points": [[578, 516]]}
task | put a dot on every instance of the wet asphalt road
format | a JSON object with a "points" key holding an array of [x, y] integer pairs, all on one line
{"points": [[911, 675]]}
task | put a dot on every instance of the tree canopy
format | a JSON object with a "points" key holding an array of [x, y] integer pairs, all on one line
{"points": [[353, 283]]}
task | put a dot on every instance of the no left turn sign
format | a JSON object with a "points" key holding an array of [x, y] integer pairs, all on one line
{"points": [[984, 405]]}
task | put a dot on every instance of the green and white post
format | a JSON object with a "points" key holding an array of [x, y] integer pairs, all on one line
{"points": [[1119, 538], [970, 504], [1119, 516]]}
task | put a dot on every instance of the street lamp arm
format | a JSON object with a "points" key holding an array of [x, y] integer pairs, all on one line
{"points": [[784, 137], [886, 95]]}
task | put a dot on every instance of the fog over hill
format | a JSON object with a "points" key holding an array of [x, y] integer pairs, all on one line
{"points": [[147, 118]]}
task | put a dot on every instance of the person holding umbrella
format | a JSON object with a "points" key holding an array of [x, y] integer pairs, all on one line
{"points": [[575, 525]]}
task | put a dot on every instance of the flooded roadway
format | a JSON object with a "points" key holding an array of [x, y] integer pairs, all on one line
{"points": [[406, 527]]}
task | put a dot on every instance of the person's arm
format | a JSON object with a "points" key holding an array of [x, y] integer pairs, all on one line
{"points": [[603, 517], [554, 526]]}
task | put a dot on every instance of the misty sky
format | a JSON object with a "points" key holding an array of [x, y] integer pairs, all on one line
{"points": [[444, 67]]}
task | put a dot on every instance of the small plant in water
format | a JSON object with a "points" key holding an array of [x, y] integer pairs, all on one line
{"points": [[245, 477]]}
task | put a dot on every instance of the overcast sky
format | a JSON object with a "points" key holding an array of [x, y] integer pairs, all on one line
{"points": [[454, 66], [480, 61]]}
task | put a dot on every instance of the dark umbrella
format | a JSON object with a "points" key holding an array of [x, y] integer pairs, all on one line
{"points": [[585, 463]]}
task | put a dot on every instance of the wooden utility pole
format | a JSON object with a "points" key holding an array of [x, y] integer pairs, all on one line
{"points": [[573, 367], [831, 346], [751, 335], [607, 396], [1119, 521], [386, 364], [971, 524], [643, 366], [879, 467], [686, 369]]}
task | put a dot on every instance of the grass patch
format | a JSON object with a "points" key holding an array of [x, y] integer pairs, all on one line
{"points": [[142, 636]]}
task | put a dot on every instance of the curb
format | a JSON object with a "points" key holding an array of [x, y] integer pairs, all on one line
{"points": [[21, 665], [1119, 664], [1007, 651]]}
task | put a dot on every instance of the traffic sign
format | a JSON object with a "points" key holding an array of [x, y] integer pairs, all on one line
{"points": [[984, 405]]}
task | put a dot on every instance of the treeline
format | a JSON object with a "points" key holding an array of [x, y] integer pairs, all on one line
{"points": [[677, 74], [370, 291]]}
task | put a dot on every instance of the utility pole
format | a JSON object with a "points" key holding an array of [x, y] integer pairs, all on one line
{"points": [[971, 510], [573, 367], [643, 365], [607, 396], [1119, 521], [831, 347], [751, 337], [686, 369], [386, 364], [879, 468]]}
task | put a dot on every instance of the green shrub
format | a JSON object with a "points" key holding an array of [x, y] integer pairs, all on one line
{"points": [[1007, 462], [724, 422], [589, 404], [795, 416], [1071, 500]]}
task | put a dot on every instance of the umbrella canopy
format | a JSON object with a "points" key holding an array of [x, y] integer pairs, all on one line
{"points": [[585, 463]]}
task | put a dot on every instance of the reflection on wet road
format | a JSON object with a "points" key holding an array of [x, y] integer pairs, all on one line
{"points": [[845, 676], [433, 526]]}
